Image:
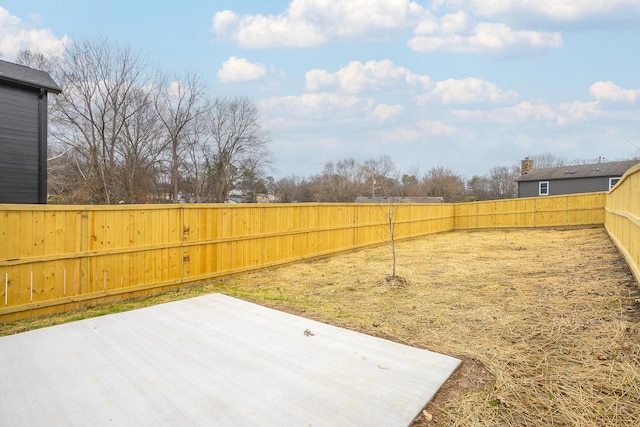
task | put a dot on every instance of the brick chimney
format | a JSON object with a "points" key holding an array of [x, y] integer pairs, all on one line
{"points": [[526, 166]]}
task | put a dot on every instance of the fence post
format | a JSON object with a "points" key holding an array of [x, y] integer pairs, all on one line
{"points": [[184, 250], [84, 247]]}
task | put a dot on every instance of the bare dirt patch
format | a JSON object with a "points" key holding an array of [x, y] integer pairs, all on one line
{"points": [[546, 321], [471, 376]]}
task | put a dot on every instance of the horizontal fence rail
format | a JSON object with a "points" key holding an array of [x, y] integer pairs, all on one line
{"points": [[59, 258]]}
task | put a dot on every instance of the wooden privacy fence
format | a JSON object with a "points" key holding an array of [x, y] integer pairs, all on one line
{"points": [[623, 218], [578, 209], [58, 258]]}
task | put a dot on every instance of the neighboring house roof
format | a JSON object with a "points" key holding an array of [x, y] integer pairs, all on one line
{"points": [[25, 76], [610, 169], [414, 200]]}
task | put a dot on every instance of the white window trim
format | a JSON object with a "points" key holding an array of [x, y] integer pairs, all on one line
{"points": [[617, 178], [540, 193]]}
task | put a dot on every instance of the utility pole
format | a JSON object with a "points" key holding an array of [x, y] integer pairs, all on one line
{"points": [[373, 188]]}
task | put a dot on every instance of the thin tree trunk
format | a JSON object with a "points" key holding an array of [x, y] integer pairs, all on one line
{"points": [[392, 237], [175, 175]]}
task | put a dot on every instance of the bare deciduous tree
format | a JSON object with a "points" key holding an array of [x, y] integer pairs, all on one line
{"points": [[293, 189], [122, 134], [411, 183], [381, 174], [341, 181], [36, 60], [325, 186], [102, 99], [179, 106], [238, 145], [391, 220], [390, 211], [502, 182], [547, 160], [139, 149], [443, 182], [193, 171], [478, 188]]}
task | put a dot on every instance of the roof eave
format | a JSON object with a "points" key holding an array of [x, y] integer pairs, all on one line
{"points": [[49, 88]]}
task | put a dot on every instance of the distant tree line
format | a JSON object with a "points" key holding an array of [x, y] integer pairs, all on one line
{"points": [[344, 180], [122, 132]]}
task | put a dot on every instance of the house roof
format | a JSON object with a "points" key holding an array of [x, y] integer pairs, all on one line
{"points": [[610, 169], [414, 200], [25, 76]]}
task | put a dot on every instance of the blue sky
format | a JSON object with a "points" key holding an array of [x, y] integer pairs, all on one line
{"points": [[464, 84]]}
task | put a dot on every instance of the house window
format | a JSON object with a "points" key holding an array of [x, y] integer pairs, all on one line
{"points": [[543, 188], [613, 182]]}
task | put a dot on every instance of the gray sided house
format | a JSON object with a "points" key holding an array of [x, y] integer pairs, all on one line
{"points": [[570, 179], [23, 133]]}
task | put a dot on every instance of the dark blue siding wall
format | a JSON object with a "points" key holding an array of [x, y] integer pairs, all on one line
{"points": [[565, 186], [19, 146], [528, 189]]}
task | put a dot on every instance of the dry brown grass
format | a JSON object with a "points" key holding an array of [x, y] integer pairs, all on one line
{"points": [[551, 315]]}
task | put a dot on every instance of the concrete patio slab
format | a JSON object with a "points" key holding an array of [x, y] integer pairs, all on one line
{"points": [[212, 360]]}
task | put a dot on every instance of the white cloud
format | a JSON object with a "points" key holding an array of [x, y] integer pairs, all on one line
{"points": [[176, 90], [338, 108], [384, 112], [457, 32], [466, 91], [308, 23], [436, 128], [460, 32], [496, 38], [575, 111], [7, 20], [319, 79], [527, 112], [357, 77], [319, 106], [357, 19], [235, 70], [16, 35], [499, 27], [451, 23], [397, 135], [258, 31], [454, 23], [225, 22], [558, 10], [423, 130], [610, 92]]}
